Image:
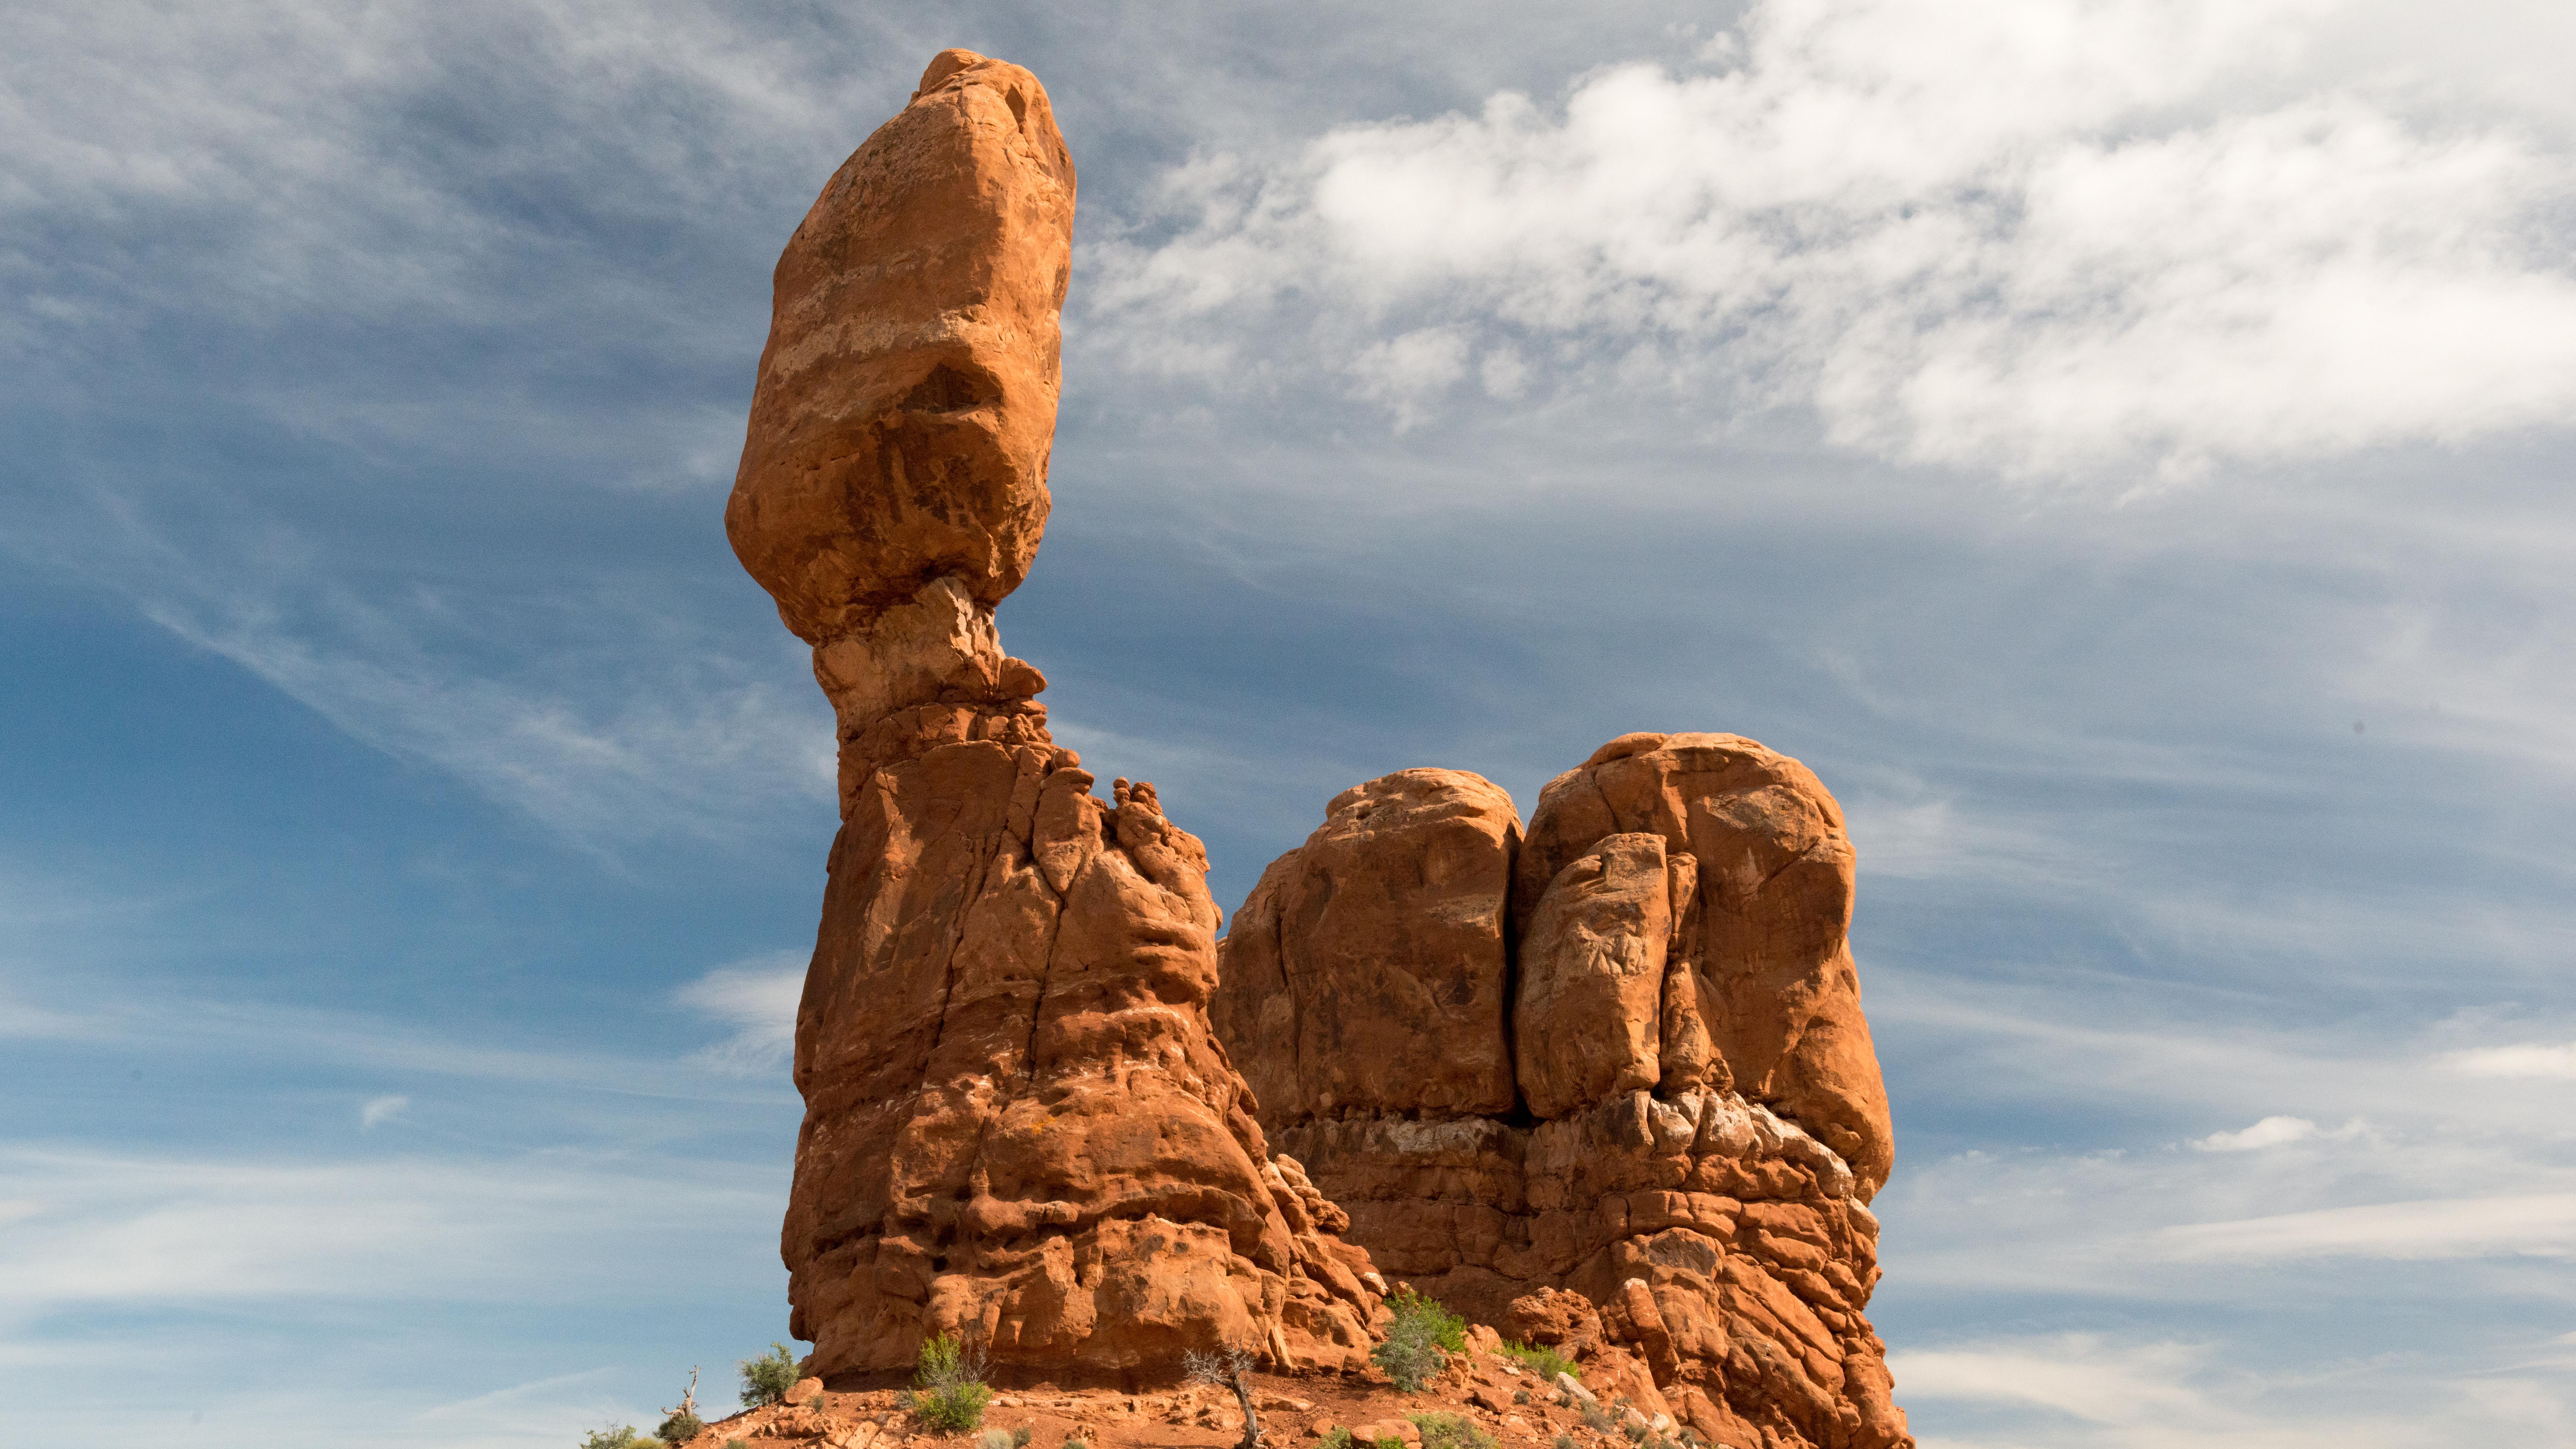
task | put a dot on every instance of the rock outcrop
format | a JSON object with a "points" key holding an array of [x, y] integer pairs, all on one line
{"points": [[1607, 1086], [1018, 1124]]}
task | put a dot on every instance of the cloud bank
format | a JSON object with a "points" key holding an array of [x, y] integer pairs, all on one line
{"points": [[2047, 238]]}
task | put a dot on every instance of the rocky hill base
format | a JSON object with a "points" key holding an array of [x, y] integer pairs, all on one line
{"points": [[1482, 1397]]}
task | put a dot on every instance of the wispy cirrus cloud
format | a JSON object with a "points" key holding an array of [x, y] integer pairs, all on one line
{"points": [[757, 998], [2541, 1225], [2128, 1391], [2527, 1060]]}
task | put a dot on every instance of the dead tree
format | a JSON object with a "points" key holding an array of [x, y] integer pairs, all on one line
{"points": [[689, 1400], [1229, 1368]]}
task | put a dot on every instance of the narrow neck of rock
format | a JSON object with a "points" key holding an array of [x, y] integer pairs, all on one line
{"points": [[922, 673]]}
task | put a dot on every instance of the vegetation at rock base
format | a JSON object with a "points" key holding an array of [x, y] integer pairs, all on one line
{"points": [[612, 1436], [766, 1379], [1419, 1341], [1450, 1431], [1541, 1359], [950, 1393]]}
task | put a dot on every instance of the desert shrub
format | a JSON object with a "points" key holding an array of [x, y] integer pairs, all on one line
{"points": [[1595, 1418], [1563, 1441], [681, 1427], [766, 1379], [1450, 1431], [1446, 1328], [994, 1439], [612, 1436], [1419, 1341], [949, 1380], [1520, 1396], [1077, 1444], [1636, 1432], [1338, 1439], [1541, 1360]]}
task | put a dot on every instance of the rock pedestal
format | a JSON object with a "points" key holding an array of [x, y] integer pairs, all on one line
{"points": [[1018, 1127], [1607, 1086]]}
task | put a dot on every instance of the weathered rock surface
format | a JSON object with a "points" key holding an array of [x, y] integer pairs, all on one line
{"points": [[906, 400], [1018, 1124], [1675, 1182], [1393, 989]]}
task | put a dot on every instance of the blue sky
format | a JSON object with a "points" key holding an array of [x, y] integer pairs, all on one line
{"points": [[2123, 448]]}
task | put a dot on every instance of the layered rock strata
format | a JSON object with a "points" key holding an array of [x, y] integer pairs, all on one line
{"points": [[1608, 1085], [1018, 1124]]}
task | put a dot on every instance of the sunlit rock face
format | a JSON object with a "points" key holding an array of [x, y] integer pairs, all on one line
{"points": [[1019, 1126], [1607, 1084]]}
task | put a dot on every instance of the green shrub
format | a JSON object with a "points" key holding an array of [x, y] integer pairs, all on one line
{"points": [[766, 1379], [612, 1436], [1563, 1441], [681, 1427], [1077, 1444], [1446, 1328], [1338, 1439], [950, 1380], [1595, 1418], [1450, 1431], [1419, 1341], [1541, 1360]]}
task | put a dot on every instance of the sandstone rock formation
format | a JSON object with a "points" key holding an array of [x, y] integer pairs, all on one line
{"points": [[1018, 1124], [1607, 1086]]}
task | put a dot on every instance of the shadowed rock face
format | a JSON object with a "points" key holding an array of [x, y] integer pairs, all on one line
{"points": [[1661, 1146], [1018, 1124]]}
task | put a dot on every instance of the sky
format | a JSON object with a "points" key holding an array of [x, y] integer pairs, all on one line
{"points": [[2123, 448]]}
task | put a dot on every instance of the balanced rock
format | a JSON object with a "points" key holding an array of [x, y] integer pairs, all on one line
{"points": [[906, 400], [1671, 1174], [1019, 1126]]}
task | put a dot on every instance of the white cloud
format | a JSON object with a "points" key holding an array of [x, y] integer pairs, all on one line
{"points": [[2102, 1391], [2270, 1132], [2540, 1225], [2532, 1059], [379, 1110], [758, 998], [2075, 1374], [2058, 238], [150, 1229], [1409, 373]]}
